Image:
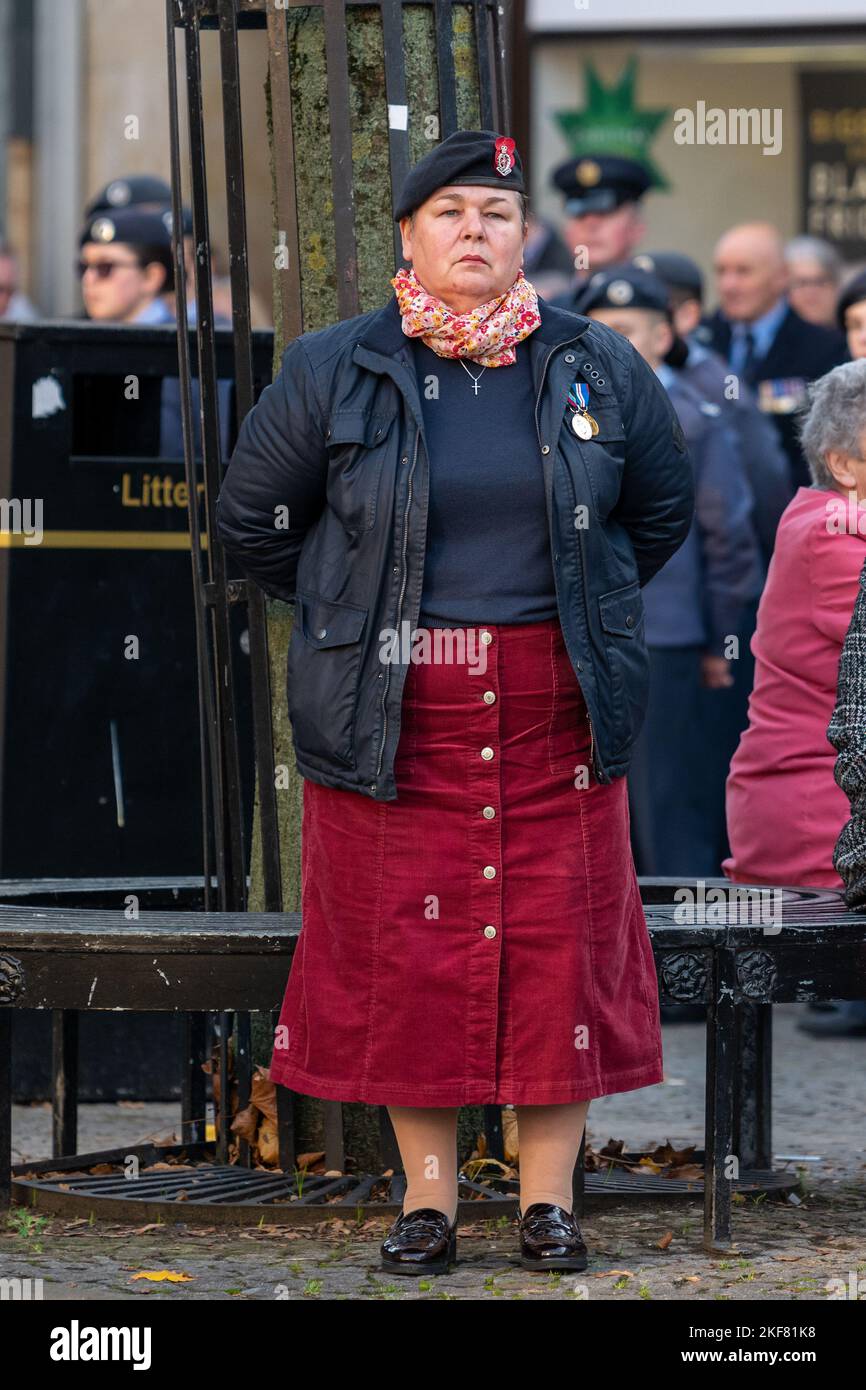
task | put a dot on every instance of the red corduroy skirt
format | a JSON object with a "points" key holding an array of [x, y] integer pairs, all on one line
{"points": [[481, 939]]}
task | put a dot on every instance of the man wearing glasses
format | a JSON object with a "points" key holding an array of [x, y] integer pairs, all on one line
{"points": [[126, 266]]}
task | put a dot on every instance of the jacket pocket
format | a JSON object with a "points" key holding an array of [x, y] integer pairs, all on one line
{"points": [[623, 628], [356, 441], [610, 427], [323, 666], [603, 457]]}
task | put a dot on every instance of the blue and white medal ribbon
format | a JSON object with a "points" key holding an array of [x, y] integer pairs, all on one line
{"points": [[582, 422]]}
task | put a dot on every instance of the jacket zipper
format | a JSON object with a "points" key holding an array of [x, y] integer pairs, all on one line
{"points": [[399, 602], [580, 541]]}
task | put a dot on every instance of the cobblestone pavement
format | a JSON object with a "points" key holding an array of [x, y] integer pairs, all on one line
{"points": [[642, 1251], [811, 1248]]}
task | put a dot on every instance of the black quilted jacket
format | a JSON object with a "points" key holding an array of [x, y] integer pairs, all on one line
{"points": [[324, 504]]}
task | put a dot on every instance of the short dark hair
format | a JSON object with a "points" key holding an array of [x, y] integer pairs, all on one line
{"points": [[162, 256]]}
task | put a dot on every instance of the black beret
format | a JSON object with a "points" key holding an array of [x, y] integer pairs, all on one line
{"points": [[134, 226], [678, 272], [852, 293], [600, 182], [468, 156], [623, 287], [124, 193], [139, 190]]}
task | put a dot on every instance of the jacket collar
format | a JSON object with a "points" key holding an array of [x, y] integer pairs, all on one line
{"points": [[384, 333]]}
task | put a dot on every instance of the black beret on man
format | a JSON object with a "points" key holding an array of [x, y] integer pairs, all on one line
{"points": [[600, 182], [623, 287], [135, 226], [139, 190], [467, 156], [628, 286], [124, 193], [679, 272]]}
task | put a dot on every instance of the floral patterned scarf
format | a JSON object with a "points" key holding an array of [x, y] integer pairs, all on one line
{"points": [[486, 334]]}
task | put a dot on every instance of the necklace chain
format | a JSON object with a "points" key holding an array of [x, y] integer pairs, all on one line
{"points": [[475, 379]]}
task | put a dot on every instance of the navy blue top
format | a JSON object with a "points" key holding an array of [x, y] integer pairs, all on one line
{"points": [[488, 554]]}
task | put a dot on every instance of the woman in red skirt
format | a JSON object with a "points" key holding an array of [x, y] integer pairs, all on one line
{"points": [[478, 936]]}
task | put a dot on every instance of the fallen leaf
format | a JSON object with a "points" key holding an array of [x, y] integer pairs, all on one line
{"points": [[310, 1159], [168, 1276], [245, 1124]]}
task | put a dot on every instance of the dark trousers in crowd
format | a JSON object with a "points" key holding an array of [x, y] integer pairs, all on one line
{"points": [[724, 716], [671, 833]]}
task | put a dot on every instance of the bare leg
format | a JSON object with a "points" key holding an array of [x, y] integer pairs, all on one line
{"points": [[549, 1139], [427, 1139]]}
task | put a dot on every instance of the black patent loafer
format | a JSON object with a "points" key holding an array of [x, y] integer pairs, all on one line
{"points": [[422, 1241], [550, 1238]]}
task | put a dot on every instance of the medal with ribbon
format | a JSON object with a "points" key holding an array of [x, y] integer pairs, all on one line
{"points": [[582, 422]]}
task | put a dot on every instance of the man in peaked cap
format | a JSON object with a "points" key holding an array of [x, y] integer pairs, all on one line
{"points": [[603, 224]]}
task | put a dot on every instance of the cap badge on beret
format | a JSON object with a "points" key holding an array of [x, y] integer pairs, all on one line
{"points": [[118, 193], [644, 262], [588, 173], [103, 229], [620, 292], [503, 156]]}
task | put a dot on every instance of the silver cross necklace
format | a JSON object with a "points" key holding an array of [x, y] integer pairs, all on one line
{"points": [[475, 379]]}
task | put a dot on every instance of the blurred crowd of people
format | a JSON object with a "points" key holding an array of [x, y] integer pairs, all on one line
{"points": [[734, 772]]}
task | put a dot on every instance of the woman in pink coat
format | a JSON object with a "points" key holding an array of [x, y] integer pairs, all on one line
{"points": [[784, 808]]}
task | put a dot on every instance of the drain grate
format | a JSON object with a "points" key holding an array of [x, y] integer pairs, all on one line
{"points": [[189, 1180]]}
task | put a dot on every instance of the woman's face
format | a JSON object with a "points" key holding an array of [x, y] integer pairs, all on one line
{"points": [[849, 470], [466, 245], [855, 328]]}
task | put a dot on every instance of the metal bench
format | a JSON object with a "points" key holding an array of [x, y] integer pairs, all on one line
{"points": [[70, 959]]}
